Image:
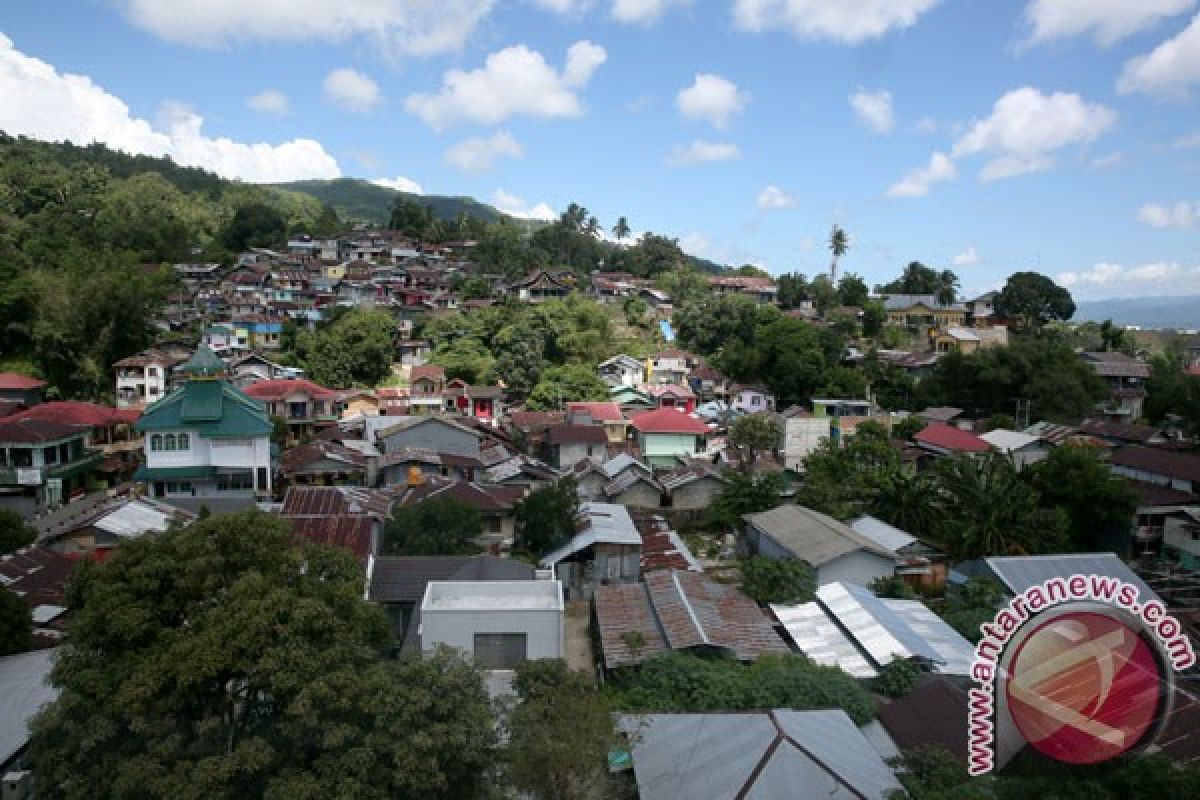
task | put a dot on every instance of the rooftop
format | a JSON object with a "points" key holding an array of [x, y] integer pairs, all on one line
{"points": [[23, 692], [36, 431], [12, 381], [812, 536], [492, 596], [77, 413], [1181, 466], [669, 420], [279, 389], [947, 437]]}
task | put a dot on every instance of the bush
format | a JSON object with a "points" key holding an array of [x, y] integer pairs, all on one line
{"points": [[768, 580], [898, 678]]}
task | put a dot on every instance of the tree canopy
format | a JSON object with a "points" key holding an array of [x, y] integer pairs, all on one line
{"points": [[1034, 299], [15, 532], [439, 526], [546, 518], [354, 349], [226, 660]]}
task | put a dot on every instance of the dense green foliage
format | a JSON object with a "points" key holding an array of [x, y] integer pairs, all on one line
{"points": [[897, 678], [355, 348], [1172, 391], [226, 661], [1094, 500], [920, 279], [744, 493], [968, 606], [546, 518], [841, 477], [363, 201], [16, 624], [772, 580], [80, 223], [441, 526], [1034, 299], [1045, 371], [15, 532], [559, 385], [679, 682], [559, 733], [754, 434]]}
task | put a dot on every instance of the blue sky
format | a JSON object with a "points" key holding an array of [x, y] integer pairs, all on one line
{"points": [[981, 136]]}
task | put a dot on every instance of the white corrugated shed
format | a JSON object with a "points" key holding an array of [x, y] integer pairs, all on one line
{"points": [[134, 519], [1007, 441]]}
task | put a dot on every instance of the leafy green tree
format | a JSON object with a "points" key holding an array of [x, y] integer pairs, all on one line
{"points": [[824, 293], [226, 660], [255, 225], [744, 493], [897, 678], [840, 478], [560, 385], [970, 605], [1098, 505], [546, 518], [908, 427], [891, 586], [15, 532], [790, 356], [934, 773], [440, 526], [794, 289], [987, 509], [16, 624], [356, 349], [770, 580], [852, 290], [906, 499], [559, 734], [621, 229], [1171, 391], [1034, 299], [753, 434], [874, 316], [920, 279], [678, 682]]}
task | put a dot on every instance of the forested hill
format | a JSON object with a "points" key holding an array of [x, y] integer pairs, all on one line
{"points": [[363, 201]]}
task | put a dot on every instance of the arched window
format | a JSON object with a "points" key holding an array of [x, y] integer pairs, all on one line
{"points": [[170, 441], [156, 442], [184, 444]]}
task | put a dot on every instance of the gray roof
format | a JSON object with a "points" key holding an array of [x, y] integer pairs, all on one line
{"points": [[819, 637], [899, 302], [402, 579], [886, 536], [812, 536], [606, 523], [23, 691], [771, 754], [1019, 573]]}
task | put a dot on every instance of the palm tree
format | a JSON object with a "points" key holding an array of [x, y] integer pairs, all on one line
{"points": [[838, 245], [592, 228], [621, 229]]}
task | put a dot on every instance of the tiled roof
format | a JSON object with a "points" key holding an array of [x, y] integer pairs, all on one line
{"points": [[484, 498], [576, 434], [15, 382], [534, 420], [600, 412], [77, 413], [277, 389], [36, 431], [1180, 466], [668, 420], [947, 437]]}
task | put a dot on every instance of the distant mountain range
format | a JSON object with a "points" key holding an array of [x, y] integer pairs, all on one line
{"points": [[363, 201], [1178, 313]]}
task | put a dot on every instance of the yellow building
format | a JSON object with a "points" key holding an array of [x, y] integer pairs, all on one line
{"points": [[923, 311]]}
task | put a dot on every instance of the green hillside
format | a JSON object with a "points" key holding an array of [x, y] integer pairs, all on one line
{"points": [[363, 201]]}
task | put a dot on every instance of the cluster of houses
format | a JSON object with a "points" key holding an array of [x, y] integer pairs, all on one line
{"points": [[223, 427]]}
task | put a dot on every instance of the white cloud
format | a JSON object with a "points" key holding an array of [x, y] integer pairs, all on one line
{"points": [[774, 197], [268, 101], [1181, 215], [516, 207], [395, 27], [480, 154], [874, 110], [42, 103], [565, 6], [1169, 70], [927, 125], [1114, 280], [702, 151], [712, 98], [1106, 20], [918, 182], [513, 81], [967, 258], [695, 244], [1190, 142], [848, 23], [351, 90], [1026, 127], [642, 12], [400, 184], [1106, 161]]}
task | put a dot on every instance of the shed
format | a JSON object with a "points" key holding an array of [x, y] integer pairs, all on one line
{"points": [[497, 623]]}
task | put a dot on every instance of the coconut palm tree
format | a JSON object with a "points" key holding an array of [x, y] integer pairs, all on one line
{"points": [[621, 229], [839, 243]]}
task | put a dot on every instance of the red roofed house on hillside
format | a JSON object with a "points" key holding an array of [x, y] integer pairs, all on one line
{"points": [[667, 435], [673, 396], [609, 414], [306, 406], [42, 464], [111, 432], [480, 402], [21, 388], [947, 440]]}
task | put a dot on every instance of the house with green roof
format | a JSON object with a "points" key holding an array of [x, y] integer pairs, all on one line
{"points": [[206, 438]]}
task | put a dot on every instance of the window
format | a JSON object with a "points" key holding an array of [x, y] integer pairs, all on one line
{"points": [[156, 442], [700, 446], [169, 441], [500, 650], [21, 457], [49, 455], [184, 442]]}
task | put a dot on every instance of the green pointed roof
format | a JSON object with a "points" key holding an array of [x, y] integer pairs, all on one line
{"points": [[203, 363], [210, 408]]}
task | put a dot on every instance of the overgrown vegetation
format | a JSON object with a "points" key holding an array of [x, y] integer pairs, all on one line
{"points": [[441, 526], [772, 580]]}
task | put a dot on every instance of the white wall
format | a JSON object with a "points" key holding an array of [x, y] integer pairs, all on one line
{"points": [[802, 436], [858, 568], [457, 629]]}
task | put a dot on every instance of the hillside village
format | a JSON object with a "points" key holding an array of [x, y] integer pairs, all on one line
{"points": [[654, 509]]}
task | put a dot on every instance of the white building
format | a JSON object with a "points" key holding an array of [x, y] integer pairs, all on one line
{"points": [[498, 624], [144, 378]]}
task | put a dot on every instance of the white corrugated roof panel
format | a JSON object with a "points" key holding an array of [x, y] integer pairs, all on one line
{"points": [[134, 519], [874, 626], [819, 638], [954, 652], [1007, 441]]}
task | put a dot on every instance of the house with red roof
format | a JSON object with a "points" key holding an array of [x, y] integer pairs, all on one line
{"points": [[21, 389], [673, 396], [667, 435], [43, 464], [110, 430], [608, 414], [306, 406], [946, 440]]}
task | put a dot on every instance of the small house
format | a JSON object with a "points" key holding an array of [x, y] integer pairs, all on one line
{"points": [[496, 624], [836, 551]]}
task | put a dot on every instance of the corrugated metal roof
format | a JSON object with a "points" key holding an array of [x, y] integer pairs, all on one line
{"points": [[606, 523], [819, 638], [954, 652], [1007, 441], [1019, 573], [812, 536], [875, 627], [136, 518], [23, 691], [886, 536]]}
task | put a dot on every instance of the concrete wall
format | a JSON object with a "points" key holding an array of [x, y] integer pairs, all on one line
{"points": [[436, 436], [695, 495], [802, 436], [543, 629], [639, 496]]}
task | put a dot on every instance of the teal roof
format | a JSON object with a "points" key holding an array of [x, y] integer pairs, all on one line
{"points": [[145, 473], [208, 408], [203, 362]]}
